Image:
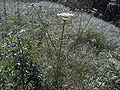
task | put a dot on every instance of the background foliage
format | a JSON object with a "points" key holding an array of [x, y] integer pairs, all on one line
{"points": [[33, 57]]}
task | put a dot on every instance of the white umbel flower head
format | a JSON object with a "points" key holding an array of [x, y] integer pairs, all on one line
{"points": [[64, 15]]}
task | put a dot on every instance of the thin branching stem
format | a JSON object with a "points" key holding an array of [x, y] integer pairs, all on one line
{"points": [[85, 27], [61, 41], [44, 27], [59, 60]]}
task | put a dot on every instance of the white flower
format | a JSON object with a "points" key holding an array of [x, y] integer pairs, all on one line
{"points": [[65, 16]]}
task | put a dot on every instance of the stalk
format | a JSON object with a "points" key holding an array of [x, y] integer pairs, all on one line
{"points": [[59, 60], [61, 41]]}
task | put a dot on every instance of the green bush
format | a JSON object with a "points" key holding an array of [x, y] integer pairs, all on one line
{"points": [[20, 68]]}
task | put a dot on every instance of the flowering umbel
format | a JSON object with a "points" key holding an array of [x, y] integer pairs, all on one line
{"points": [[64, 15]]}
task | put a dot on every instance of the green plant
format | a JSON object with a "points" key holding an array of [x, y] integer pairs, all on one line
{"points": [[21, 66]]}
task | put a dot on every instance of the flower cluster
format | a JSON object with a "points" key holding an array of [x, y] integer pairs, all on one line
{"points": [[65, 16]]}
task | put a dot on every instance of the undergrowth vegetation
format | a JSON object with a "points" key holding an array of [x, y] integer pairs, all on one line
{"points": [[41, 50]]}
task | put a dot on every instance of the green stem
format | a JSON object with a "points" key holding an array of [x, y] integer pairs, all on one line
{"points": [[61, 41], [58, 68]]}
